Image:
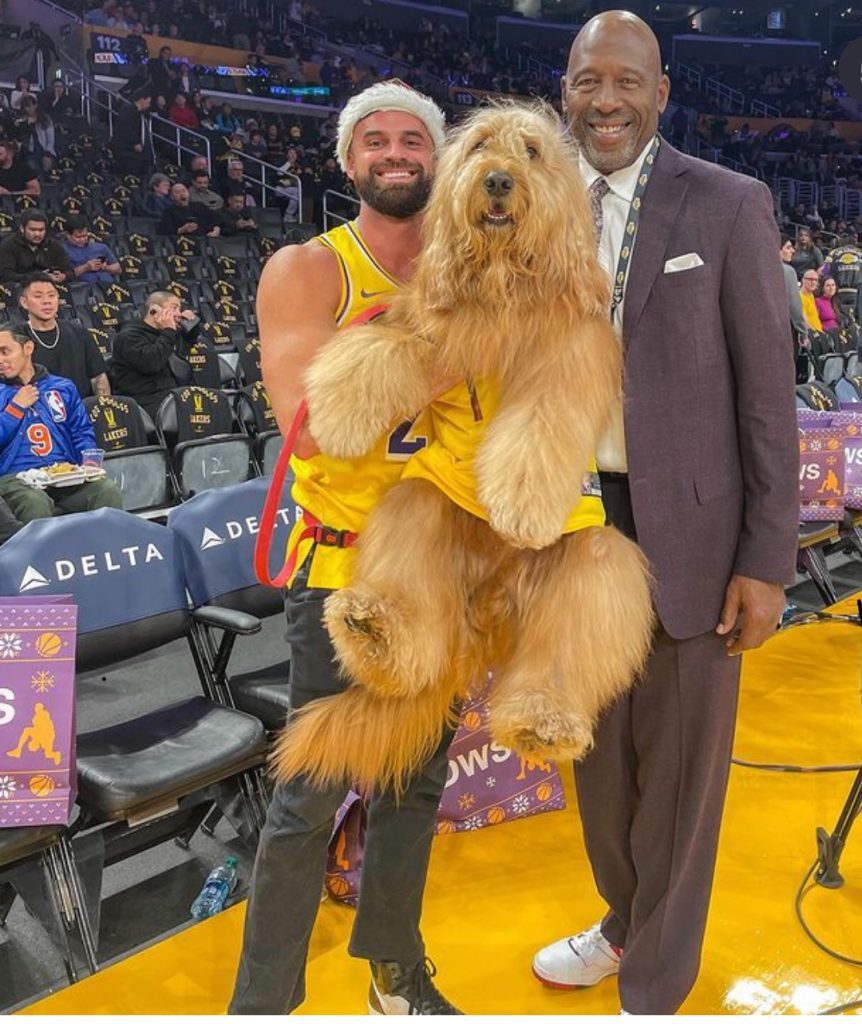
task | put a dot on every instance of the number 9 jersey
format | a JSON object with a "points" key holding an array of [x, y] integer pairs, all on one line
{"points": [[340, 493], [54, 429]]}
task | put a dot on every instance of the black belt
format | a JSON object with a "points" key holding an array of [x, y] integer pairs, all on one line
{"points": [[613, 477]]}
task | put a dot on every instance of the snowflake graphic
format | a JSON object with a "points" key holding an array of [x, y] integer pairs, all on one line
{"points": [[466, 801], [473, 823], [42, 682], [491, 781], [520, 804], [816, 446], [10, 645], [7, 787]]}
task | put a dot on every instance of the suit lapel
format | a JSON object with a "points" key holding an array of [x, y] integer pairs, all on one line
{"points": [[662, 201]]}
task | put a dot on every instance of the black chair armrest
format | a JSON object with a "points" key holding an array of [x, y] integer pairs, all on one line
{"points": [[227, 619]]}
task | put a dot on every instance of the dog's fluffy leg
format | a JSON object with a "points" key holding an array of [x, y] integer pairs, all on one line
{"points": [[397, 627], [585, 630], [532, 460], [365, 381], [358, 738]]}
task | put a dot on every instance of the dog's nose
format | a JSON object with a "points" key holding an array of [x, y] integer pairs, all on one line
{"points": [[498, 183]]}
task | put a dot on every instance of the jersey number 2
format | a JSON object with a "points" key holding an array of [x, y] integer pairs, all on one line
{"points": [[40, 440], [401, 446]]}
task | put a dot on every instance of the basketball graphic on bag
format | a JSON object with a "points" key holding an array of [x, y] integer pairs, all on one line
{"points": [[544, 791], [42, 785], [496, 815], [48, 645], [472, 720], [337, 886], [444, 827]]}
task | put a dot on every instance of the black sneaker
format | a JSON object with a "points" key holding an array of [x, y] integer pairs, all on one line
{"points": [[400, 991]]}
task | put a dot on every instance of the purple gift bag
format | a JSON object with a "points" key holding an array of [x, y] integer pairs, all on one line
{"points": [[488, 784], [37, 710], [822, 464], [344, 865]]}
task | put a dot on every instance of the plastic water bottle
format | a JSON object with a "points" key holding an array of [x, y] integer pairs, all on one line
{"points": [[220, 883]]}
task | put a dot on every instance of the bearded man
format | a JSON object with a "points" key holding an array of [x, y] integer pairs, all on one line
{"points": [[388, 137]]}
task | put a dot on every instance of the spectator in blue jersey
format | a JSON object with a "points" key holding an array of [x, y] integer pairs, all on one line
{"points": [[92, 261], [43, 422]]}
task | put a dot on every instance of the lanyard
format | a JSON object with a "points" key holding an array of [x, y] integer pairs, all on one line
{"points": [[631, 227]]}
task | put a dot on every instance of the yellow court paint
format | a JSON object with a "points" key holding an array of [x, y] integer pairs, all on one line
{"points": [[496, 895]]}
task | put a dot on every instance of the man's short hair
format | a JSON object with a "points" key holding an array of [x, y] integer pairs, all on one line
{"points": [[158, 299], [39, 277], [30, 216], [200, 174], [159, 179], [76, 222], [785, 239]]}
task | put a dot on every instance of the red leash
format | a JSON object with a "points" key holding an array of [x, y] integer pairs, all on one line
{"points": [[314, 529]]}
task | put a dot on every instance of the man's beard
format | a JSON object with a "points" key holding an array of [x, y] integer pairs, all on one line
{"points": [[398, 201], [604, 163]]}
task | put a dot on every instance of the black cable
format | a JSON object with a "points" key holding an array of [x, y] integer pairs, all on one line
{"points": [[797, 768], [801, 893], [843, 1008]]}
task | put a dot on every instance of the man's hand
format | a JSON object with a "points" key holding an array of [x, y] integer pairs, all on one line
{"points": [[4, 191], [188, 228], [214, 233], [93, 265], [57, 276], [26, 396], [759, 605], [138, 148], [167, 318]]}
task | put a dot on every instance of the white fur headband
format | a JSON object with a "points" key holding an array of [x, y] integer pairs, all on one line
{"points": [[391, 95]]}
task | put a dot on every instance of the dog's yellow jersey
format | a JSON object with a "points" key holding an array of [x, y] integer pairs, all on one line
{"points": [[447, 461], [342, 492]]}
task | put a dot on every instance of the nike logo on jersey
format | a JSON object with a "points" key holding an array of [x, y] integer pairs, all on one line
{"points": [[371, 295]]}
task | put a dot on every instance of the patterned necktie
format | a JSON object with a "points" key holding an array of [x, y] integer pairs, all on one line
{"points": [[598, 190]]}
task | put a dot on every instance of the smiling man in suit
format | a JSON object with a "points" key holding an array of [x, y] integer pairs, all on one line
{"points": [[700, 466]]}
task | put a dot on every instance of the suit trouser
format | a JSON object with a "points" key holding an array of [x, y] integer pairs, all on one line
{"points": [[651, 797], [291, 857]]}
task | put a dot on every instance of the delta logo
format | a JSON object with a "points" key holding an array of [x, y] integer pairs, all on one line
{"points": [[236, 529], [65, 569]]}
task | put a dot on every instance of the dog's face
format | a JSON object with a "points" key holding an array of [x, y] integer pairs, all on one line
{"points": [[509, 206]]}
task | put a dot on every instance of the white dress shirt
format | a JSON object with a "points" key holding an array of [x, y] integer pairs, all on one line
{"points": [[611, 451]]}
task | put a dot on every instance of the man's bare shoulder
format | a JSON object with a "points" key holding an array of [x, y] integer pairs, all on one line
{"points": [[310, 262]]}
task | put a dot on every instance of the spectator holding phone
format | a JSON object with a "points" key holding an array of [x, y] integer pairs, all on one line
{"points": [[92, 262]]}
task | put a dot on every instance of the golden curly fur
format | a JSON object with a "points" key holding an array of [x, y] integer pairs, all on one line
{"points": [[508, 287]]}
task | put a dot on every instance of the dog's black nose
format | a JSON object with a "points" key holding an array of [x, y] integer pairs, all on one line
{"points": [[498, 183]]}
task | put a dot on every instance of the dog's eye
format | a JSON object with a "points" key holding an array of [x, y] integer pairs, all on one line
{"points": [[532, 152], [479, 145]]}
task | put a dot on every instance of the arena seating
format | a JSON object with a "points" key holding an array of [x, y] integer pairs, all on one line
{"points": [[37, 865], [216, 532], [154, 777]]}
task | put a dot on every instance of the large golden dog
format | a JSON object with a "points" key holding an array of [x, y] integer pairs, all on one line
{"points": [[508, 289]]}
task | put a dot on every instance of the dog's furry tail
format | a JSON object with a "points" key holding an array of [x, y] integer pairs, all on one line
{"points": [[359, 739]]}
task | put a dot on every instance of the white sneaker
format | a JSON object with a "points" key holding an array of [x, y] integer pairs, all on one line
{"points": [[577, 962]]}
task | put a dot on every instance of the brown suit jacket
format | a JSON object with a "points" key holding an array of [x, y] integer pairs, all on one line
{"points": [[710, 417]]}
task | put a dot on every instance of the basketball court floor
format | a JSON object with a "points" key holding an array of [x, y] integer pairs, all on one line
{"points": [[496, 895]]}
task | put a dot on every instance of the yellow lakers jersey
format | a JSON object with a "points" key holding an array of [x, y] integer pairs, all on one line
{"points": [[447, 461], [342, 492]]}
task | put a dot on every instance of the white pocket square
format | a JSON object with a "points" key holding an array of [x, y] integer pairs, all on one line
{"points": [[687, 262]]}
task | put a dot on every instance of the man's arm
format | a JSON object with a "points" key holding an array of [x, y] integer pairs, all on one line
{"points": [[101, 385], [296, 304], [94, 362], [754, 317]]}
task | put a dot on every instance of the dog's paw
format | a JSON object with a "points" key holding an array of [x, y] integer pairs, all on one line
{"points": [[538, 731], [341, 435], [361, 629], [523, 527]]}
